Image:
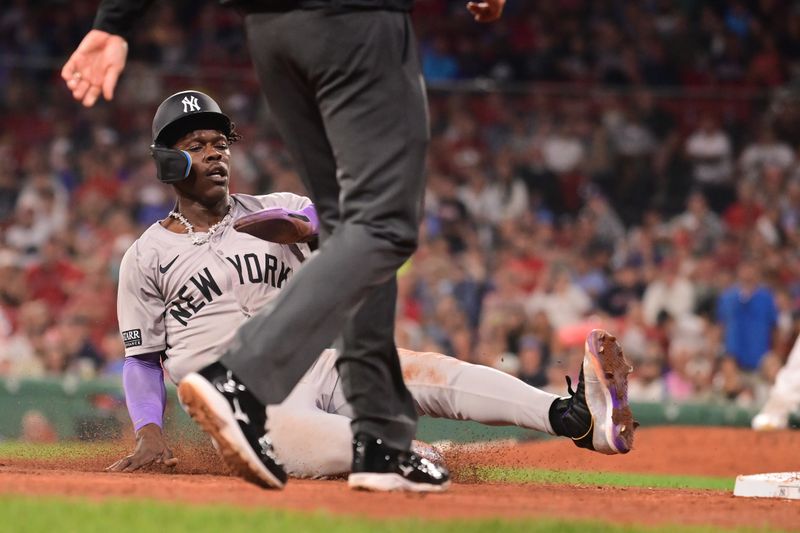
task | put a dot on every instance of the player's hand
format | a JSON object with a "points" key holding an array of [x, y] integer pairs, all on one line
{"points": [[486, 10], [94, 66], [151, 449]]}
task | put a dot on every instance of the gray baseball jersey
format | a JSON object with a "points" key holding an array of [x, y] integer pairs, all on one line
{"points": [[188, 300]]}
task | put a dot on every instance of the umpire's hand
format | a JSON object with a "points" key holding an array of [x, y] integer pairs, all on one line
{"points": [[94, 66], [151, 449], [486, 10]]}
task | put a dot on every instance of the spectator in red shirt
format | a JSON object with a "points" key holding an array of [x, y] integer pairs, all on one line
{"points": [[742, 214], [766, 68], [98, 180], [53, 278]]}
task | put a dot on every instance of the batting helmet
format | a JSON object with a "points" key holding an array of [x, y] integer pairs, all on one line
{"points": [[176, 116]]}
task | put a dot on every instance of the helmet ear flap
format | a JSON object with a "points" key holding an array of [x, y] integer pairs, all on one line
{"points": [[172, 165]]}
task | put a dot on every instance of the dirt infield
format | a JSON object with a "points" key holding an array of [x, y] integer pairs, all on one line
{"points": [[699, 451]]}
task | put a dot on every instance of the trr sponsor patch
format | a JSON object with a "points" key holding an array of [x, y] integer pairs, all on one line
{"points": [[132, 337]]}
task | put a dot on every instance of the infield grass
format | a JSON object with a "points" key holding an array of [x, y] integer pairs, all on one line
{"points": [[605, 479], [44, 514], [57, 450]]}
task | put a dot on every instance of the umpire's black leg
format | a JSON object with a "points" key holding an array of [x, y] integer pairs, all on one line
{"points": [[361, 67], [369, 367], [378, 127]]}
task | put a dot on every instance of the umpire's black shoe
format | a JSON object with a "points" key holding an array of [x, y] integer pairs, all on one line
{"points": [[596, 415], [235, 420], [380, 468]]}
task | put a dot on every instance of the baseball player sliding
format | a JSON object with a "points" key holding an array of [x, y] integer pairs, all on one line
{"points": [[192, 279]]}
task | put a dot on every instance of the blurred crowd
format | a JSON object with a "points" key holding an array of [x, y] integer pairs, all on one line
{"points": [[670, 217], [616, 42], [735, 43]]}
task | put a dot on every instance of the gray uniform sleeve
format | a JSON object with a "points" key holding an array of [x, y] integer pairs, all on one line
{"points": [[286, 200], [140, 307]]}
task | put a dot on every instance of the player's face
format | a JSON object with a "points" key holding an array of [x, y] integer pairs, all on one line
{"points": [[208, 177]]}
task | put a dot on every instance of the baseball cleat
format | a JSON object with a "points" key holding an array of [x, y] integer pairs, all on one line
{"points": [[377, 467], [236, 422], [770, 421], [597, 415], [774, 414]]}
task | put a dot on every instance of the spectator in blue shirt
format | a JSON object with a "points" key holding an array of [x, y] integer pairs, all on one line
{"points": [[438, 62], [748, 314]]}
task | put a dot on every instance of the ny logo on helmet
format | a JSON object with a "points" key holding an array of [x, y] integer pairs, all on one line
{"points": [[190, 104]]}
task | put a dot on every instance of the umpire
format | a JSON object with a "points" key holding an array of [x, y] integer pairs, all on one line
{"points": [[343, 81]]}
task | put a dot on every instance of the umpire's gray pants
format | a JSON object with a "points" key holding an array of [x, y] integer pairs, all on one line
{"points": [[347, 95]]}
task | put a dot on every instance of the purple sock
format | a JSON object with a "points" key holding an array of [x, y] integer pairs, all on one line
{"points": [[145, 394]]}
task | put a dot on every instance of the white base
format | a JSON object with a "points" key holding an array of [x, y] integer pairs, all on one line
{"points": [[776, 485]]}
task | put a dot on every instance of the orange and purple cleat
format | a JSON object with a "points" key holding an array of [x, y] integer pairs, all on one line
{"points": [[596, 415]]}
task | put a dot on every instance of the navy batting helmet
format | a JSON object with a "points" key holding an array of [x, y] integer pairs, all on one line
{"points": [[178, 115]]}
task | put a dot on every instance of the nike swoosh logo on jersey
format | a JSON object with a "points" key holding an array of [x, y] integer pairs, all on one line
{"points": [[163, 269]]}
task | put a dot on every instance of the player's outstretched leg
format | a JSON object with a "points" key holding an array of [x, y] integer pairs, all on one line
{"points": [[597, 415], [235, 420], [381, 468]]}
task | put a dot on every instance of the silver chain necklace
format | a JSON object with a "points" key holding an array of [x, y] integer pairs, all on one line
{"points": [[196, 239]]}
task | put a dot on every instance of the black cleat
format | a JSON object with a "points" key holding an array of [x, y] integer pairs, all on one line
{"points": [[236, 422], [596, 415], [380, 468]]}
